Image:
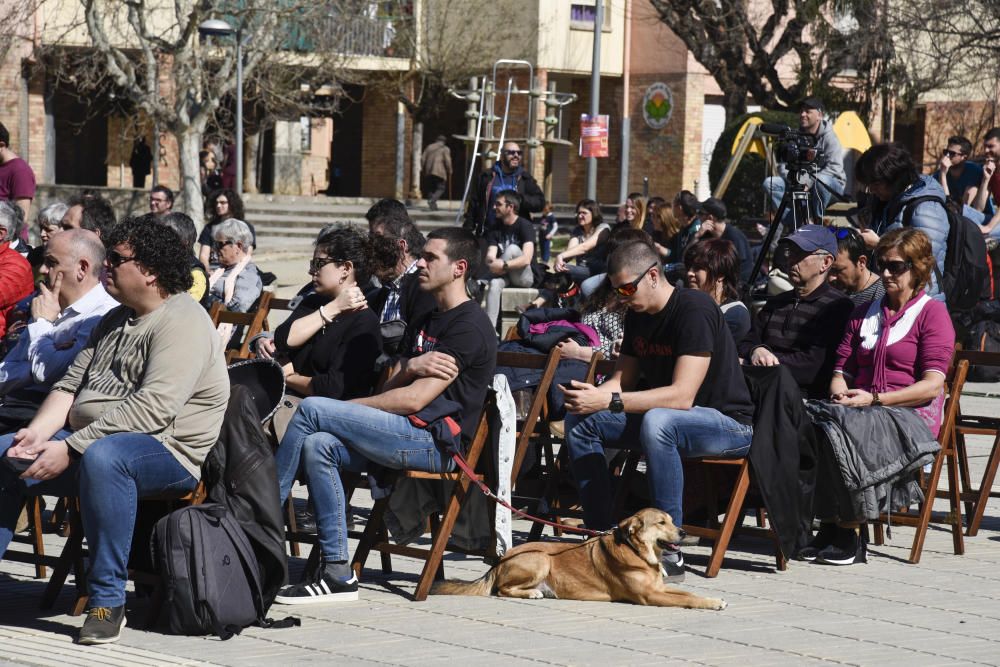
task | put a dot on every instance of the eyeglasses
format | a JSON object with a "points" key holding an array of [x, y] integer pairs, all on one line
{"points": [[499, 204], [896, 267], [628, 289], [316, 264], [219, 245], [116, 259], [953, 153], [158, 200], [506, 152]]}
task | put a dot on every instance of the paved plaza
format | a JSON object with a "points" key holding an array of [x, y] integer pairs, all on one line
{"points": [[942, 611]]}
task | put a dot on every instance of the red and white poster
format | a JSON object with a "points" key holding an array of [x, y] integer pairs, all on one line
{"points": [[593, 135]]}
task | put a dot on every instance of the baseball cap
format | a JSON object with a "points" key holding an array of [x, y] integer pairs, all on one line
{"points": [[715, 208], [812, 103], [810, 238]]}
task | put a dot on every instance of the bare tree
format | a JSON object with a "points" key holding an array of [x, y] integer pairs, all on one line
{"points": [[150, 53], [450, 42]]}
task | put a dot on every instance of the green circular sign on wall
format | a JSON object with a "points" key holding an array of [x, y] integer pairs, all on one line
{"points": [[657, 106]]}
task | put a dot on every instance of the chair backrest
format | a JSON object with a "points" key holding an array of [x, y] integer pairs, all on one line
{"points": [[599, 366], [954, 382], [526, 360], [252, 322], [275, 304]]}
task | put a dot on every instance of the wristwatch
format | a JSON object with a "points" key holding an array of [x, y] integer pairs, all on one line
{"points": [[875, 399], [616, 406]]}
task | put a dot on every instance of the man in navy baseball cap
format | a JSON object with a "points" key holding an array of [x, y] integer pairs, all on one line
{"points": [[801, 328]]}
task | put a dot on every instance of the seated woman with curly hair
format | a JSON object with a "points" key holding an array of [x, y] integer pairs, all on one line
{"points": [[895, 352]]}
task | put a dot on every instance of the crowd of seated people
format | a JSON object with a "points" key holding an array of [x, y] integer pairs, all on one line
{"points": [[116, 387]]}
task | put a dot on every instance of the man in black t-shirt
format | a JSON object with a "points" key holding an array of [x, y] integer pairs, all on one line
{"points": [[451, 353], [510, 252], [677, 392]]}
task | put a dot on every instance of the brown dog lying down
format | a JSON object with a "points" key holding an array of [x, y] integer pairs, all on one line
{"points": [[622, 566]]}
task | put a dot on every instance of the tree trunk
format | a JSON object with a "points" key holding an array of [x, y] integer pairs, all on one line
{"points": [[250, 160], [416, 149], [189, 143]]}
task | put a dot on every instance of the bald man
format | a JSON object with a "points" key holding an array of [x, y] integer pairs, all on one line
{"points": [[70, 301]]}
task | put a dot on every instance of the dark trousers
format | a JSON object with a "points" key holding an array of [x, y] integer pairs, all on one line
{"points": [[436, 186]]}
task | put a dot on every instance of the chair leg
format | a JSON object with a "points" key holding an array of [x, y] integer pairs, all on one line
{"points": [[954, 498], [624, 482], [370, 536], [930, 492], [734, 514], [293, 544], [34, 507], [879, 535], [985, 487], [963, 467], [440, 540]]}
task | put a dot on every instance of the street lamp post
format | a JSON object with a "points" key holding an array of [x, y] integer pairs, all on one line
{"points": [[220, 28]]}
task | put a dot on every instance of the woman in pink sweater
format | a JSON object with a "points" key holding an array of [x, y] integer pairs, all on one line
{"points": [[895, 352]]}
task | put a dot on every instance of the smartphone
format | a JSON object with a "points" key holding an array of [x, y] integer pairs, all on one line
{"points": [[18, 466]]}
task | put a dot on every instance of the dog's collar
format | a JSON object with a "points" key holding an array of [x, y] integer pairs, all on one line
{"points": [[621, 538]]}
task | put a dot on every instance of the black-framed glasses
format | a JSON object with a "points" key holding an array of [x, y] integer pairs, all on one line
{"points": [[116, 259], [219, 245], [953, 154], [630, 288], [510, 152], [896, 267], [319, 262]]}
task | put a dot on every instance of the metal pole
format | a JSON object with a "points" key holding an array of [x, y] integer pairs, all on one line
{"points": [[626, 118], [239, 112], [595, 93], [400, 149]]}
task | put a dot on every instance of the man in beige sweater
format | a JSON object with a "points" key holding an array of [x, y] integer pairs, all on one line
{"points": [[135, 415]]}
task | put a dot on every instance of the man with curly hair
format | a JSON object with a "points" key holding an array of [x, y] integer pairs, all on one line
{"points": [[144, 402]]}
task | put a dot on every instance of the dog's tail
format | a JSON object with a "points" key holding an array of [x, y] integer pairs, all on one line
{"points": [[481, 586]]}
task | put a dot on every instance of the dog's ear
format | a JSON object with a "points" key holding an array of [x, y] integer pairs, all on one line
{"points": [[630, 526]]}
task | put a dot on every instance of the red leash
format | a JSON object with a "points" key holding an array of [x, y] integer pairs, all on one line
{"points": [[471, 474]]}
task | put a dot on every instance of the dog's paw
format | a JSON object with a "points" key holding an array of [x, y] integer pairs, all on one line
{"points": [[536, 595], [719, 605]]}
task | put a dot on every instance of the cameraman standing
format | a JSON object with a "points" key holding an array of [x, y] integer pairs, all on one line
{"points": [[829, 163]]}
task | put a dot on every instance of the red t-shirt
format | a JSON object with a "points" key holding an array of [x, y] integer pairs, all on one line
{"points": [[17, 180], [994, 186]]}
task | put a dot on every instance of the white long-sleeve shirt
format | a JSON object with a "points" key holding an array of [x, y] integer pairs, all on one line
{"points": [[46, 349]]}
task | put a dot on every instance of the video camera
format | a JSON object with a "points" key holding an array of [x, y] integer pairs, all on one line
{"points": [[795, 148]]}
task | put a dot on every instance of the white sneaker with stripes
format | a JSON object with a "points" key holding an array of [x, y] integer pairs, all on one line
{"points": [[325, 588]]}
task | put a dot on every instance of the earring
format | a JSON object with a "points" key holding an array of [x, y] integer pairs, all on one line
{"points": [[342, 279]]}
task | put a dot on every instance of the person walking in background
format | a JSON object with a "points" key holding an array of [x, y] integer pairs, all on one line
{"points": [[141, 163], [437, 166]]}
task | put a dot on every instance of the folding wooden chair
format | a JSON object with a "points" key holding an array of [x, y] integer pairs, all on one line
{"points": [[252, 323], [929, 482], [273, 305], [375, 536], [74, 553], [719, 533], [532, 425], [555, 466], [967, 424]]}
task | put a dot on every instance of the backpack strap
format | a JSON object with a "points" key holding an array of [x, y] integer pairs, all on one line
{"points": [[912, 204]]}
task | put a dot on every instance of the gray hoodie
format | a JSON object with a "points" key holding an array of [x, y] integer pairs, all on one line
{"points": [[831, 158]]}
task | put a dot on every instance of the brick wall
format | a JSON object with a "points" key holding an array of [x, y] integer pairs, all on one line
{"points": [[609, 168], [378, 153], [670, 157]]}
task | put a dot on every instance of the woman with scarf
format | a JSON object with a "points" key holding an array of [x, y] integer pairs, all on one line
{"points": [[895, 352]]}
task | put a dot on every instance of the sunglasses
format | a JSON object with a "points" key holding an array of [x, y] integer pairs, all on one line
{"points": [[116, 259], [841, 233], [953, 153], [628, 289], [896, 267], [219, 245], [512, 152], [316, 264]]}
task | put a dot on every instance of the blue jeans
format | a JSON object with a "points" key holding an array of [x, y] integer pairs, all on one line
{"points": [[666, 436], [327, 436], [110, 477], [819, 196]]}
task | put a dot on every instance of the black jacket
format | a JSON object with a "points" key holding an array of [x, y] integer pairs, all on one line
{"points": [[532, 200], [782, 454], [240, 473]]}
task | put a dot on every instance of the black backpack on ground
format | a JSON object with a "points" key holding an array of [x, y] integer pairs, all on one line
{"points": [[984, 336], [966, 270], [210, 572]]}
